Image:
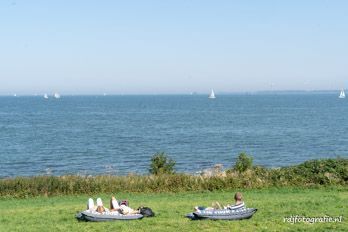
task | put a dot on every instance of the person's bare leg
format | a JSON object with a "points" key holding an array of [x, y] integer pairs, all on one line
{"points": [[115, 204]]}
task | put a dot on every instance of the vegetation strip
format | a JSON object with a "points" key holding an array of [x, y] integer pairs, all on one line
{"points": [[326, 172]]}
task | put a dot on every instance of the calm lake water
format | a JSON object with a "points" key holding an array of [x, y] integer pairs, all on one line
{"points": [[119, 134]]}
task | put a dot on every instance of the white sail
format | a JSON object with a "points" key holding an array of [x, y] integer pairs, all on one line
{"points": [[342, 94], [45, 96], [56, 95], [212, 94]]}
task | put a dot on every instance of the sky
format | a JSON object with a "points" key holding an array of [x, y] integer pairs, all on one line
{"points": [[156, 46]]}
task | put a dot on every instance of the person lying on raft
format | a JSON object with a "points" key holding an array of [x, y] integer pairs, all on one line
{"points": [[115, 206], [239, 204], [99, 208]]}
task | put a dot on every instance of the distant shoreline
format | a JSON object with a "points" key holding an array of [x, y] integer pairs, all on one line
{"points": [[258, 92]]}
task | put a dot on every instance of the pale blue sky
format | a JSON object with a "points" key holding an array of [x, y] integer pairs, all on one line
{"points": [[172, 46]]}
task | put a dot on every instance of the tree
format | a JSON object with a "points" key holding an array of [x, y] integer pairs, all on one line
{"points": [[244, 162], [161, 164]]}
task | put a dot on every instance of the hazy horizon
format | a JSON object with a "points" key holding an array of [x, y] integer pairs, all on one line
{"points": [[257, 92], [178, 47]]}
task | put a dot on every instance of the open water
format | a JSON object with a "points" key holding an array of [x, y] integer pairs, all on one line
{"points": [[118, 134]]}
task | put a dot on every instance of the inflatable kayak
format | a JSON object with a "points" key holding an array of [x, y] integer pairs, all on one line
{"points": [[223, 214], [106, 216]]}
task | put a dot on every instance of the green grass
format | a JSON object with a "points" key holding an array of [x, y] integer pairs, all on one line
{"points": [[57, 213]]}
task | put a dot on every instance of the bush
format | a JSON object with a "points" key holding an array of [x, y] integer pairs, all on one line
{"points": [[161, 164], [323, 171], [244, 162]]}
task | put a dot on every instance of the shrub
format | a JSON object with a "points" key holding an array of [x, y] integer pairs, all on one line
{"points": [[323, 171], [161, 164], [244, 162]]}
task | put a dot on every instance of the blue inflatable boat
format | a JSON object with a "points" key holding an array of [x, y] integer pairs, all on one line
{"points": [[223, 214], [106, 216]]}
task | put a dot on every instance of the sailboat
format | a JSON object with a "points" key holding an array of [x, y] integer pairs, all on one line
{"points": [[45, 96], [57, 95], [212, 95], [342, 94]]}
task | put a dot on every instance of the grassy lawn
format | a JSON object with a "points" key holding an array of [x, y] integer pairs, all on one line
{"points": [[57, 213]]}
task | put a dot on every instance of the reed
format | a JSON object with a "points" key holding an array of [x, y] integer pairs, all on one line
{"points": [[310, 173]]}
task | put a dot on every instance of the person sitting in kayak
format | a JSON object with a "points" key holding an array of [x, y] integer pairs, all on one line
{"points": [[239, 204]]}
